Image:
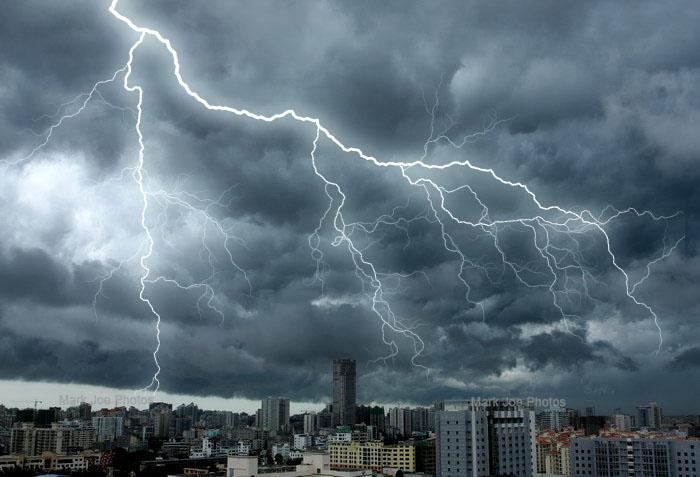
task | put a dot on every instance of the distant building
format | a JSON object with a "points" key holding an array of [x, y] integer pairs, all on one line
{"points": [[275, 414], [311, 423], [374, 455], [30, 440], [159, 406], [343, 392], [592, 425], [162, 419], [622, 422], [303, 441], [49, 461], [188, 410], [552, 419], [649, 416], [573, 417], [46, 417], [627, 456], [25, 415], [107, 428], [552, 451], [85, 411], [313, 464], [401, 421], [477, 439], [372, 416]]}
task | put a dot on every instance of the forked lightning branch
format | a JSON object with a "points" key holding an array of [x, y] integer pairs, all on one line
{"points": [[549, 219]]}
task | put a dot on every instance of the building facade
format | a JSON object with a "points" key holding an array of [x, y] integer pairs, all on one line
{"points": [[344, 392], [311, 423], [649, 416], [275, 414], [29, 440], [639, 457], [476, 440], [108, 428], [373, 455]]}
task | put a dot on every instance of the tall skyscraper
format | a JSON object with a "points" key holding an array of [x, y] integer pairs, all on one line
{"points": [[344, 392], [275, 414]]}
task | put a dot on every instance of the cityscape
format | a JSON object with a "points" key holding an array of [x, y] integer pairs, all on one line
{"points": [[349, 238], [474, 437]]}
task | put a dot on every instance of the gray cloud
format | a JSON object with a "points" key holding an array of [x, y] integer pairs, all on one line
{"points": [[600, 107]]}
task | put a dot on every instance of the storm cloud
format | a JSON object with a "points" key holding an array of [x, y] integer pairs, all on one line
{"points": [[590, 105]]}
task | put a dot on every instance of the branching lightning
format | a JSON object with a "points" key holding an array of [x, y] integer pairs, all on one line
{"points": [[553, 231]]}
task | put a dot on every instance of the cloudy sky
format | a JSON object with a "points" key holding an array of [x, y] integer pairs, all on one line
{"points": [[487, 236]]}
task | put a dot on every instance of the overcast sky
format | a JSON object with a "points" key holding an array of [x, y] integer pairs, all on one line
{"points": [[444, 282]]}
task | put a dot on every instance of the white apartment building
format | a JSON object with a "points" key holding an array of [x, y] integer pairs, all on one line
{"points": [[497, 439]]}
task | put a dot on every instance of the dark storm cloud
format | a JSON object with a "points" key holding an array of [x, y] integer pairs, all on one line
{"points": [[600, 107], [569, 351], [689, 358]]}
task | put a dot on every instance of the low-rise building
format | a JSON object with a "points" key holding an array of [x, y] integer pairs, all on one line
{"points": [[50, 461], [313, 464], [303, 441], [373, 455]]}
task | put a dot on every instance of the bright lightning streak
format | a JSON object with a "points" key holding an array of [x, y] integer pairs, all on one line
{"points": [[550, 220], [138, 175]]}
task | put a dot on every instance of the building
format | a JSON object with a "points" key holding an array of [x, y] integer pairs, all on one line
{"points": [[425, 456], [275, 414], [29, 440], [603, 457], [401, 421], [303, 441], [343, 392], [162, 419], [345, 435], [49, 461], [373, 455], [421, 420], [592, 425], [372, 416], [85, 411], [188, 410], [25, 415], [46, 417], [552, 419], [311, 423], [313, 464], [485, 438], [622, 422], [552, 451], [107, 428], [286, 452], [649, 416], [81, 438]]}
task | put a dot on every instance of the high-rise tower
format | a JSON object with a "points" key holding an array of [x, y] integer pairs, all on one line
{"points": [[343, 392]]}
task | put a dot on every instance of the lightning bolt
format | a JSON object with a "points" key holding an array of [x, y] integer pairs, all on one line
{"points": [[553, 230]]}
